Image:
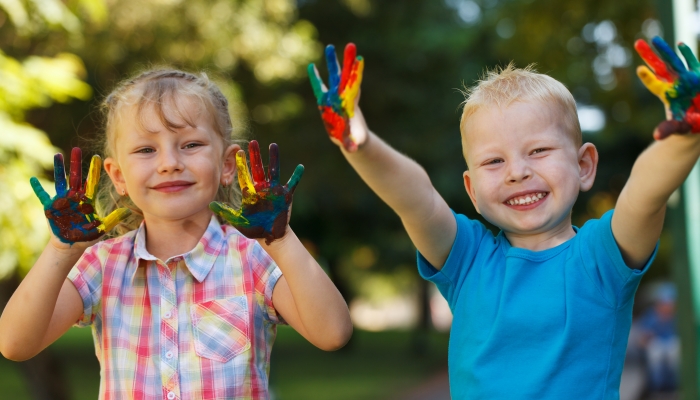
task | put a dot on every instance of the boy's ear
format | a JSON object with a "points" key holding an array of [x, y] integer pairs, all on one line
{"points": [[228, 170], [588, 165], [115, 173], [470, 189]]}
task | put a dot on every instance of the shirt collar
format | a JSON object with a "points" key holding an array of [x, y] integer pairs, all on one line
{"points": [[199, 260]]}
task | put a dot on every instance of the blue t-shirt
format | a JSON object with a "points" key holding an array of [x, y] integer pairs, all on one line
{"points": [[549, 324]]}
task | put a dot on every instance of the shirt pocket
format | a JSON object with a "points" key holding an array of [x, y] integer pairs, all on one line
{"points": [[221, 328]]}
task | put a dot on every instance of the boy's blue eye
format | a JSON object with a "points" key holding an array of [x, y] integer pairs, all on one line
{"points": [[539, 150], [494, 161], [192, 145]]}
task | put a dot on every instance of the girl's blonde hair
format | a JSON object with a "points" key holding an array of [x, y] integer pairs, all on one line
{"points": [[159, 88], [503, 86]]}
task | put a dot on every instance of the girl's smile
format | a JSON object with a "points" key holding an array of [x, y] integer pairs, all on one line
{"points": [[173, 186]]}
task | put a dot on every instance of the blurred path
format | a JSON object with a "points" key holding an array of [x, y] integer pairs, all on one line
{"points": [[435, 388]]}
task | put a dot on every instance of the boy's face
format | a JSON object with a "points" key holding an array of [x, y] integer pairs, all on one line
{"points": [[525, 171]]}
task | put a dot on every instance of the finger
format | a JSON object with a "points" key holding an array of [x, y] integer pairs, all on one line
{"points": [[274, 166], [59, 175], [668, 55], [234, 217], [114, 218], [333, 72], [353, 88], [256, 165], [690, 58], [76, 169], [93, 176], [316, 83], [655, 85], [243, 176], [295, 178], [39, 191], [348, 61], [653, 61]]}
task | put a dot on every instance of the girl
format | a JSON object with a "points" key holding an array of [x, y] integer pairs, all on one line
{"points": [[181, 307]]}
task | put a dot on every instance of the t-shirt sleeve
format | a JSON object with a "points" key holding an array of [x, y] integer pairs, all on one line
{"points": [[86, 276], [468, 240], [266, 273], [602, 259]]}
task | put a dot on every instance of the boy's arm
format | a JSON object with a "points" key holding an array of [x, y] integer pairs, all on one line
{"points": [[640, 209], [405, 186], [398, 181], [662, 167]]}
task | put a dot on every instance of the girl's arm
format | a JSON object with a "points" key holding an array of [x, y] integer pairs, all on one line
{"points": [[305, 297], [43, 307]]}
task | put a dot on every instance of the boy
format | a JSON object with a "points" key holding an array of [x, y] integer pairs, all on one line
{"points": [[543, 309]]}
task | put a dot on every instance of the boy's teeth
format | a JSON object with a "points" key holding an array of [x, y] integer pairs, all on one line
{"points": [[528, 199]]}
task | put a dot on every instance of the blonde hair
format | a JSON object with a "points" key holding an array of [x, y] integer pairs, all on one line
{"points": [[503, 86], [158, 88]]}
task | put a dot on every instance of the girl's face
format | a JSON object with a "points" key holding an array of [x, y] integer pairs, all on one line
{"points": [[170, 174]]}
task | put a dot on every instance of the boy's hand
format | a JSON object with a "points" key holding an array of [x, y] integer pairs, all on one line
{"points": [[677, 87], [71, 213], [337, 104], [265, 206]]}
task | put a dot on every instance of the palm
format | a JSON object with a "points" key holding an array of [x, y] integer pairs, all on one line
{"points": [[71, 212], [678, 87], [265, 206], [337, 103]]}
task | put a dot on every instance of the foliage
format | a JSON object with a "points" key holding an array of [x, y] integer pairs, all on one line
{"points": [[26, 151]]}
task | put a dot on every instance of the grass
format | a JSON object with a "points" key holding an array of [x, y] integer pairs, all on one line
{"points": [[375, 365]]}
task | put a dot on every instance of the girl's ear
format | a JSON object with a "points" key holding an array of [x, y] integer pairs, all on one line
{"points": [[228, 170], [470, 190], [115, 174], [588, 165]]}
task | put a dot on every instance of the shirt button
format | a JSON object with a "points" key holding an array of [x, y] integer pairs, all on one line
{"points": [[169, 355], [171, 395], [168, 315]]}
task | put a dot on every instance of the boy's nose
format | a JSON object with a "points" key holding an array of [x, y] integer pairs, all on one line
{"points": [[169, 161], [518, 172]]}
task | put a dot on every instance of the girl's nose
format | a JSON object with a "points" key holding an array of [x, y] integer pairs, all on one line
{"points": [[169, 161]]}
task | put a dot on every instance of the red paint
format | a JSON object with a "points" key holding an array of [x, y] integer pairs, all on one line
{"points": [[654, 62]]}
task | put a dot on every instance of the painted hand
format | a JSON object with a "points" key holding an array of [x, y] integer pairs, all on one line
{"points": [[266, 204], [71, 213], [337, 104], [677, 87]]}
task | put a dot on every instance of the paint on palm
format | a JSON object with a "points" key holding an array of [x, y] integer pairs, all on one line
{"points": [[71, 212], [265, 206], [678, 87], [337, 103]]}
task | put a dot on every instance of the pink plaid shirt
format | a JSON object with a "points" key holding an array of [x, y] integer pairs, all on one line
{"points": [[197, 326]]}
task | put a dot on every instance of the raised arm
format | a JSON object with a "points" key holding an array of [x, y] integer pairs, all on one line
{"points": [[304, 296], [396, 179], [661, 168], [46, 304]]}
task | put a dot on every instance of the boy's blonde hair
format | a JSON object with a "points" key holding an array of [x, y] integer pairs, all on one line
{"points": [[158, 88], [503, 86]]}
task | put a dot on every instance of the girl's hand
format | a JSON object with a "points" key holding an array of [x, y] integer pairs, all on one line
{"points": [[677, 87], [265, 206], [337, 104], [71, 213]]}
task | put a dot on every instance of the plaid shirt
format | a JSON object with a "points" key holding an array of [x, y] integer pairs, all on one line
{"points": [[197, 326]]}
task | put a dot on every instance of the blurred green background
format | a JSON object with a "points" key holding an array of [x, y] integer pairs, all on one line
{"points": [[59, 58]]}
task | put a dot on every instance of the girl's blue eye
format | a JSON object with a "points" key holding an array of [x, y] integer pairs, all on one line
{"points": [[146, 150], [192, 145]]}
